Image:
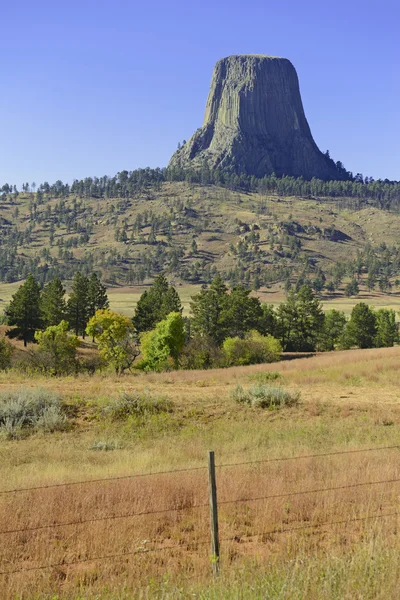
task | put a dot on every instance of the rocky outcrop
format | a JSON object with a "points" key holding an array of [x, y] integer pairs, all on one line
{"points": [[255, 123]]}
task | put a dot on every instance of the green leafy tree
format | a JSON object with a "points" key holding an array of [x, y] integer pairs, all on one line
{"points": [[116, 339], [361, 329], [163, 343], [56, 352], [386, 328], [24, 309], [332, 331], [77, 305], [53, 305]]}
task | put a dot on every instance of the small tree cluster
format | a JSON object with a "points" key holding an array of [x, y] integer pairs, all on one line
{"points": [[32, 309], [155, 304]]}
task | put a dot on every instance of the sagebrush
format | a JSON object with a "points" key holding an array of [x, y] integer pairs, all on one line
{"points": [[29, 409], [265, 396]]}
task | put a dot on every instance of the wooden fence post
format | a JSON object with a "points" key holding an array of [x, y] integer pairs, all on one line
{"points": [[213, 513]]}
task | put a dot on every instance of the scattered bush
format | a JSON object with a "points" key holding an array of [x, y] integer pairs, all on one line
{"points": [[6, 351], [104, 446], [91, 363], [138, 405], [25, 410], [265, 396], [265, 376], [202, 353], [254, 349]]}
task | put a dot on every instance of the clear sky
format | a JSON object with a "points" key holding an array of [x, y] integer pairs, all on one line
{"points": [[94, 87]]}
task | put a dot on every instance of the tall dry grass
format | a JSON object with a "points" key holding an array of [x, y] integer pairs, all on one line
{"points": [[259, 559], [248, 528]]}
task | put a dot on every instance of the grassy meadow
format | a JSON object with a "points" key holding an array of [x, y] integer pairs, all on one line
{"points": [[349, 401]]}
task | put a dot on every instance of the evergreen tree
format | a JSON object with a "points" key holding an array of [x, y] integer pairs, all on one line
{"points": [[77, 305], [24, 309], [352, 288], [53, 303], [171, 303], [300, 321], [268, 322], [144, 317], [241, 313], [207, 309], [97, 295], [361, 329], [332, 332], [155, 304], [386, 328]]}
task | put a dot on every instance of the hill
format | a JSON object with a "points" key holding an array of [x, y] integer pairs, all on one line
{"points": [[192, 231]]}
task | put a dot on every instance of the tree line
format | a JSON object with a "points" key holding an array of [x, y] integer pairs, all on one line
{"points": [[225, 327], [32, 308], [382, 193]]}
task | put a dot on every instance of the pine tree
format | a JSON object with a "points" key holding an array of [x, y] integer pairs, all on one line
{"points": [[171, 303], [53, 305], [207, 309], [97, 295], [155, 304], [77, 305], [24, 309]]}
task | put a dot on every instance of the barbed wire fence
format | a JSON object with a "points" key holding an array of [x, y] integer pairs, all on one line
{"points": [[214, 540]]}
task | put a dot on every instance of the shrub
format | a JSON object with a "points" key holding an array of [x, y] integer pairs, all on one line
{"points": [[6, 351], [138, 405], [101, 446], [25, 410], [202, 353], [265, 376], [265, 396], [56, 352], [254, 349], [90, 363], [161, 347]]}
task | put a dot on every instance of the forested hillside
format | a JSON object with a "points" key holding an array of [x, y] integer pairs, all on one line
{"points": [[334, 235]]}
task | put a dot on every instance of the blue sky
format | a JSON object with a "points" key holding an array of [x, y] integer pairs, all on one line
{"points": [[93, 87]]}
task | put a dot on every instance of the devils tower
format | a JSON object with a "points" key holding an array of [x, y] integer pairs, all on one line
{"points": [[255, 123]]}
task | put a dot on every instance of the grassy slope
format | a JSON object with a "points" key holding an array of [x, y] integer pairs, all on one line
{"points": [[213, 223], [349, 401]]}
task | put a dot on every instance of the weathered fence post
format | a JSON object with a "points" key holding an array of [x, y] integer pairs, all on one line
{"points": [[213, 513]]}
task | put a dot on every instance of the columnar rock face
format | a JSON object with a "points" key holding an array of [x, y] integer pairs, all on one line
{"points": [[255, 123]]}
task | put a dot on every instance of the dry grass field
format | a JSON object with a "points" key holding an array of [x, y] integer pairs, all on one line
{"points": [[342, 543]]}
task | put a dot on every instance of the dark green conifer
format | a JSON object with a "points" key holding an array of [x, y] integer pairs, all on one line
{"points": [[53, 304], [77, 306], [24, 309]]}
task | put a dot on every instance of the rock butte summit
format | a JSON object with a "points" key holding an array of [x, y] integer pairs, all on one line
{"points": [[255, 123]]}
